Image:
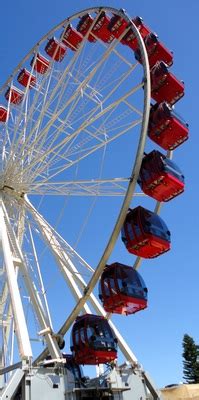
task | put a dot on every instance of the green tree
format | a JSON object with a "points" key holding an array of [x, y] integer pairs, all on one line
{"points": [[191, 360]]}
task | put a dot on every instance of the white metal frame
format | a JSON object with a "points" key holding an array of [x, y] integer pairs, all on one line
{"points": [[14, 189]]}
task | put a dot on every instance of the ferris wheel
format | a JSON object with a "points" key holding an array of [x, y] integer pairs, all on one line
{"points": [[74, 120]]}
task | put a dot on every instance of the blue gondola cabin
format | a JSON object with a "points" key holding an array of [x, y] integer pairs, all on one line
{"points": [[92, 340], [160, 177], [166, 128], [122, 290], [145, 234]]}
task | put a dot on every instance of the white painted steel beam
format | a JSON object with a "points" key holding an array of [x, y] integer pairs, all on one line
{"points": [[17, 308], [36, 302], [62, 259]]}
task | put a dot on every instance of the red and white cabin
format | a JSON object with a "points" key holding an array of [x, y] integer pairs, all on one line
{"points": [[117, 26], [41, 63], [101, 30], [164, 85], [14, 95], [3, 114], [84, 25], [72, 38], [25, 78], [55, 49], [130, 39], [156, 51], [166, 128]]}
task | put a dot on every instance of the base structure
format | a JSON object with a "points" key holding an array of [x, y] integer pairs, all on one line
{"points": [[53, 378], [55, 382], [50, 375]]}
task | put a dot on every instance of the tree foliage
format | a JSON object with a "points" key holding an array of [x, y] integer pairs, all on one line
{"points": [[191, 360]]}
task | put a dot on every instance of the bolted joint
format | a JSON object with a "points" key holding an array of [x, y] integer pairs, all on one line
{"points": [[60, 341], [46, 331]]}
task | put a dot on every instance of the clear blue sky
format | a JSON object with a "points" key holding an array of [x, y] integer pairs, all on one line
{"points": [[156, 334]]}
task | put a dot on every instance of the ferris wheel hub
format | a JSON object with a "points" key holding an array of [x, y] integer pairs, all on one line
{"points": [[14, 192]]}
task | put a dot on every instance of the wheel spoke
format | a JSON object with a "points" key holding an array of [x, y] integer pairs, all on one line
{"points": [[94, 187]]}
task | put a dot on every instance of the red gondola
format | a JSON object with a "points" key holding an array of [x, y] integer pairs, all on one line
{"points": [[164, 85], [129, 39], [117, 25], [72, 38], [122, 290], [25, 78], [92, 340], [3, 114], [55, 49], [101, 30], [156, 51], [84, 25], [166, 128], [145, 234], [41, 63], [14, 95], [160, 177]]}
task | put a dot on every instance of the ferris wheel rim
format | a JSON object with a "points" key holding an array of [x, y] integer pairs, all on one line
{"points": [[140, 148], [129, 192]]}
